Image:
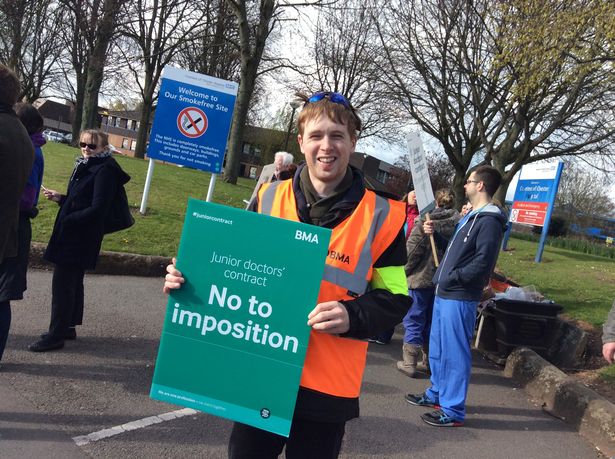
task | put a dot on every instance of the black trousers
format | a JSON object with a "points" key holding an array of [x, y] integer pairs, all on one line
{"points": [[66, 299], [307, 440], [5, 324]]}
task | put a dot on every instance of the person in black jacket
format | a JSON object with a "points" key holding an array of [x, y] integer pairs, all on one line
{"points": [[420, 269], [78, 233], [16, 156]]}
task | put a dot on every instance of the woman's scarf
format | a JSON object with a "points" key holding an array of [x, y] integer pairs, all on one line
{"points": [[81, 161], [38, 139]]}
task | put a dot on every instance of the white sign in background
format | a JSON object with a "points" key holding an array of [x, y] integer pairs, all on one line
{"points": [[534, 171], [420, 174], [539, 171]]}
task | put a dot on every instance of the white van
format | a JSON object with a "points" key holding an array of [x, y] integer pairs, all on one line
{"points": [[53, 136]]}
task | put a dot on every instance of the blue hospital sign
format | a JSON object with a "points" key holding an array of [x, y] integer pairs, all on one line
{"points": [[192, 119], [535, 193]]}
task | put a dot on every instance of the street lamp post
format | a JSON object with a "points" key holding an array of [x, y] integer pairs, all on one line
{"points": [[294, 104]]}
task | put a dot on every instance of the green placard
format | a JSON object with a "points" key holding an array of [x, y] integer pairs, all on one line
{"points": [[235, 334]]}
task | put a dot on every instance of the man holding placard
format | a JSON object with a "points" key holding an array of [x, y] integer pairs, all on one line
{"points": [[363, 290]]}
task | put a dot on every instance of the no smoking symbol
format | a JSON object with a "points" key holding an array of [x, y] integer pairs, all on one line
{"points": [[192, 122]]}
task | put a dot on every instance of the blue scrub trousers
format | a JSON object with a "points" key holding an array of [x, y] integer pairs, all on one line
{"points": [[450, 358], [417, 322]]}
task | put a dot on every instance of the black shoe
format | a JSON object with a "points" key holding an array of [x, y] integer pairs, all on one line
{"points": [[71, 334], [420, 400], [439, 419], [44, 345]]}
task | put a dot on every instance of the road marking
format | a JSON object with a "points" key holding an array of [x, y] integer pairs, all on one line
{"points": [[133, 425]]}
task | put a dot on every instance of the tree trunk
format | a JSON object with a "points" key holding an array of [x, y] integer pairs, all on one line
{"points": [[143, 132], [250, 59], [96, 64], [500, 194], [14, 12], [78, 108], [217, 43], [458, 189], [94, 78], [235, 145]]}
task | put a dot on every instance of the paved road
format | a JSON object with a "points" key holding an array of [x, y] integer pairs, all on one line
{"points": [[102, 380]]}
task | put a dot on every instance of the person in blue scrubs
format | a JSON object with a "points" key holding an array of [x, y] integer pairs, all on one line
{"points": [[463, 273]]}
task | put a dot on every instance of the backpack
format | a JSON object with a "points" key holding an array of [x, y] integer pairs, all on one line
{"points": [[119, 217]]}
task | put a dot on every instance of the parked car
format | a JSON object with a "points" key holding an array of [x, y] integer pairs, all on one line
{"points": [[67, 138], [113, 149], [53, 136]]}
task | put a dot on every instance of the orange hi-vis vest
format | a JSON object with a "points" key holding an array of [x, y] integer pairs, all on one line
{"points": [[334, 365]]}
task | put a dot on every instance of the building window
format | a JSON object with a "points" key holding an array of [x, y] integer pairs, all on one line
{"points": [[133, 145], [133, 125], [110, 121], [252, 172], [125, 143], [251, 150], [118, 120], [383, 176]]}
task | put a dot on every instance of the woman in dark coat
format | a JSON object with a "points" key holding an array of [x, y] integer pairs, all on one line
{"points": [[420, 269], [78, 232]]}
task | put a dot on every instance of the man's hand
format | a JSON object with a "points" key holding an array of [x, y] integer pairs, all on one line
{"points": [[428, 227], [174, 279], [608, 351], [329, 317]]}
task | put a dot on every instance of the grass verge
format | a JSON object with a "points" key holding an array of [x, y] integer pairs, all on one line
{"points": [[581, 283], [607, 374]]}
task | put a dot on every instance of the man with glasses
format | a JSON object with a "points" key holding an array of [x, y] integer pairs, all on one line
{"points": [[363, 291], [463, 273]]}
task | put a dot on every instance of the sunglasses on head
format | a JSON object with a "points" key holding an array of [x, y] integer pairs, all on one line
{"points": [[91, 146], [334, 97]]}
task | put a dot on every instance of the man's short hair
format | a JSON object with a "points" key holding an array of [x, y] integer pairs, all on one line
{"points": [[287, 158], [490, 177], [29, 117], [334, 111], [9, 86], [444, 198]]}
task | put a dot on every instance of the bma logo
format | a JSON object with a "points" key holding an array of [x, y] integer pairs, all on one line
{"points": [[309, 237], [339, 256]]}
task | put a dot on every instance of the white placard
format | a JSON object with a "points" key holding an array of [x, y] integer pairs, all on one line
{"points": [[420, 174]]}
